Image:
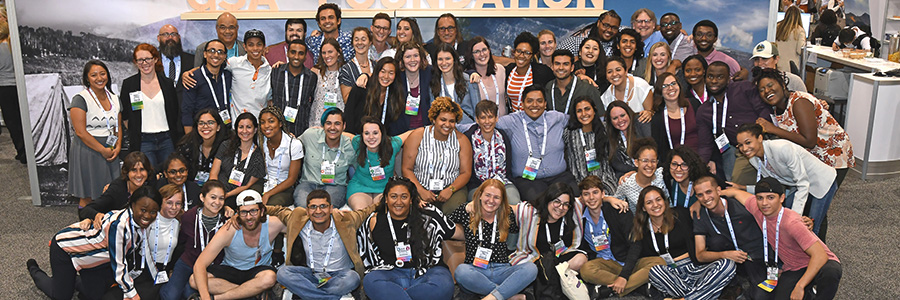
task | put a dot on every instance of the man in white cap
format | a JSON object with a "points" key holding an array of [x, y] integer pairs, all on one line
{"points": [[765, 55], [246, 270]]}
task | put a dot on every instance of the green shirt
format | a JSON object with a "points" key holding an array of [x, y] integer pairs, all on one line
{"points": [[313, 146], [362, 178]]}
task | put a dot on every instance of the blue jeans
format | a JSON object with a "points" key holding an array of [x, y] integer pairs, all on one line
{"points": [[178, 286], [338, 193], [818, 208], [157, 147], [401, 283], [301, 281], [499, 279]]}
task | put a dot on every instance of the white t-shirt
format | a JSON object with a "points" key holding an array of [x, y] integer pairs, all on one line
{"points": [[636, 101], [278, 168], [248, 95]]}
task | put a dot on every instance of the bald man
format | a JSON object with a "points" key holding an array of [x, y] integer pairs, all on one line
{"points": [[227, 31]]}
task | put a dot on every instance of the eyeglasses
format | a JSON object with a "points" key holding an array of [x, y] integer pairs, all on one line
{"points": [[559, 203], [168, 34], [142, 61], [648, 161], [479, 52], [708, 35], [673, 23], [315, 207], [230, 28], [648, 21], [176, 172], [668, 85], [523, 52], [608, 26], [679, 166], [216, 51], [252, 212], [448, 28], [382, 28], [206, 123]]}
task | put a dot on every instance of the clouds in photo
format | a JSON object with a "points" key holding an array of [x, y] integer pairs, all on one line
{"points": [[110, 17], [702, 5]]}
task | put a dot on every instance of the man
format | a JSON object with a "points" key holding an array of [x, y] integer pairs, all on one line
{"points": [[705, 34], [856, 38], [226, 31], [447, 31], [246, 270], [606, 29], [765, 55], [680, 44], [250, 72], [381, 31], [537, 145], [717, 122], [328, 157], [644, 22], [294, 95], [567, 88], [725, 229], [329, 19], [807, 261], [212, 91], [174, 59], [293, 29], [313, 252]]}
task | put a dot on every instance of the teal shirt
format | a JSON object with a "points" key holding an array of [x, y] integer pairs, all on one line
{"points": [[362, 180], [313, 143], [678, 196]]}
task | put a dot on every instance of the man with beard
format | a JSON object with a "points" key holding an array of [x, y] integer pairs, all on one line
{"points": [[705, 34], [328, 156], [329, 19], [567, 87], [717, 121], [293, 88], [681, 45], [447, 31], [246, 270], [174, 59], [212, 91], [226, 31], [294, 29], [323, 257], [605, 30]]}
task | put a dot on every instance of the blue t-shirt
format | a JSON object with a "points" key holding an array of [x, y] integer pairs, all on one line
{"points": [[362, 178]]}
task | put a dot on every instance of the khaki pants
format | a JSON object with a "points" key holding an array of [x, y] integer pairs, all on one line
{"points": [[605, 272], [744, 173]]}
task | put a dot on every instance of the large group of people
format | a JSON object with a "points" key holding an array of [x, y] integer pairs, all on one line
{"points": [[345, 164]]}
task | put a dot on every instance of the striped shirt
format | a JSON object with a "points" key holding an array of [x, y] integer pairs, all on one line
{"points": [[437, 159], [376, 245], [516, 84]]}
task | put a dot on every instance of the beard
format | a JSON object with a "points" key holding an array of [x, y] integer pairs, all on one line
{"points": [[170, 48]]}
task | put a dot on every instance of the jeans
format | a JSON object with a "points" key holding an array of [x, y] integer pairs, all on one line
{"points": [[499, 279], [818, 207], [338, 193], [728, 158], [301, 281], [156, 146], [400, 283], [178, 286]]}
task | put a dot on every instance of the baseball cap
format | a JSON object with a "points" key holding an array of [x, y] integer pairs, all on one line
{"points": [[764, 49], [248, 197], [255, 33], [769, 185]]}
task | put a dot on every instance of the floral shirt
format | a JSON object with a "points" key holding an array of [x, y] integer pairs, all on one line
{"points": [[833, 145], [483, 149]]}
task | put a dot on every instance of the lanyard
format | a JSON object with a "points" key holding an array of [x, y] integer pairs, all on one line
{"points": [[702, 100], [384, 109], [603, 229], [730, 227], [765, 164], [677, 42], [653, 236], [336, 157], [247, 161], [669, 132], [493, 231], [198, 224], [213, 90], [312, 262], [490, 150], [391, 225], [444, 90], [496, 89], [628, 92], [715, 113], [528, 138], [172, 238], [184, 195], [571, 93], [687, 196], [583, 144], [109, 127], [287, 97], [766, 237], [561, 227], [624, 140], [200, 157]]}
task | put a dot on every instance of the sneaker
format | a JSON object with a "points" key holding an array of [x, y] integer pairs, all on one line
{"points": [[31, 264], [348, 297]]}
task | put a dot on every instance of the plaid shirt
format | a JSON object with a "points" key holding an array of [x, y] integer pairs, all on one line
{"points": [[278, 95]]}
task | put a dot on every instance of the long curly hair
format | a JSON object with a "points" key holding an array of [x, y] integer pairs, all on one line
{"points": [[641, 216], [416, 218], [696, 167]]}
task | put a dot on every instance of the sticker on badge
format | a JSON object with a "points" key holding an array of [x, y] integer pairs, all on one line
{"points": [[290, 114], [601, 242], [768, 285], [161, 277], [668, 258], [482, 257], [226, 116], [377, 173], [532, 165], [330, 100], [236, 178], [559, 248], [412, 105], [327, 172], [202, 177], [722, 143], [322, 278], [137, 102]]}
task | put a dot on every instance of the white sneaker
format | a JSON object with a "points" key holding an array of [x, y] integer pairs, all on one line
{"points": [[347, 297]]}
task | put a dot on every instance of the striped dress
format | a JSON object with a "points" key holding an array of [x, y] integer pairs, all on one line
{"points": [[437, 159], [515, 86]]}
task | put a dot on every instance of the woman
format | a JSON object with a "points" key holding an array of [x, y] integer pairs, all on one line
{"points": [[134, 174], [790, 38], [587, 144], [239, 163], [359, 64], [150, 109], [827, 30], [375, 161], [675, 275], [91, 251], [621, 131], [407, 31], [199, 146], [162, 237], [413, 78], [647, 174], [448, 80], [794, 166], [281, 173], [629, 47], [380, 99], [328, 92], [176, 172], [481, 66], [547, 41], [397, 264], [694, 70], [525, 70], [198, 225], [94, 153], [9, 95], [438, 158], [660, 62], [591, 62], [489, 147], [487, 270], [632, 90], [684, 168], [674, 123]]}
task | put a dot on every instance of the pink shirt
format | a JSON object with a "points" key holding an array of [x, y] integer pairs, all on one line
{"points": [[278, 52], [794, 237], [716, 55]]}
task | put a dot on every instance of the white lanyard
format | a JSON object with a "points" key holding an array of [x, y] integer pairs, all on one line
{"points": [[561, 227], [653, 236], [198, 224], [391, 225], [628, 93], [493, 232], [715, 113], [677, 42], [702, 100], [238, 156], [384, 109], [213, 90], [168, 248], [184, 195], [604, 229], [336, 157], [633, 64], [312, 261], [109, 127], [490, 150], [287, 97], [669, 132], [445, 92], [571, 93], [583, 144], [765, 164], [528, 138], [766, 237], [687, 196], [496, 89], [624, 140], [730, 227]]}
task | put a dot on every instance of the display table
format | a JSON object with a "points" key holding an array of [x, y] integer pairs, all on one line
{"points": [[873, 125], [867, 65]]}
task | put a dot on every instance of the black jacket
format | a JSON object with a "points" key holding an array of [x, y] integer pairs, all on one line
{"points": [[619, 229], [134, 118], [115, 197]]}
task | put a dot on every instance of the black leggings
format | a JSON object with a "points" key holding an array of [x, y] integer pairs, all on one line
{"points": [[826, 282], [94, 281], [9, 104]]}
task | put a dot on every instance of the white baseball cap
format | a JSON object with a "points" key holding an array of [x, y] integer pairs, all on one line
{"points": [[765, 49], [248, 197]]}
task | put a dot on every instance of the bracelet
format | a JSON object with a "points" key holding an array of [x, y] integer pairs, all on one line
{"points": [[452, 189]]}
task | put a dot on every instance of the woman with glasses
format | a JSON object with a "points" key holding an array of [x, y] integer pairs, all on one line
{"points": [[200, 145], [484, 72], [684, 167], [239, 163], [647, 174], [359, 64], [674, 123], [176, 172], [150, 108], [525, 70]]}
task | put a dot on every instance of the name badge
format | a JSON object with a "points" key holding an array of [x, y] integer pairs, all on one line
{"points": [[771, 280], [135, 273], [377, 173], [772, 273], [236, 178], [532, 165], [327, 172], [482, 257], [403, 253], [322, 278], [590, 156], [412, 105], [202, 177], [290, 114], [161, 277], [226, 116], [330, 100], [601, 242], [111, 140], [137, 102], [722, 143], [559, 248], [668, 258], [435, 185]]}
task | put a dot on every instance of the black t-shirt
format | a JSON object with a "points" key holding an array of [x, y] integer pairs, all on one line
{"points": [[746, 230], [543, 245], [500, 252]]}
